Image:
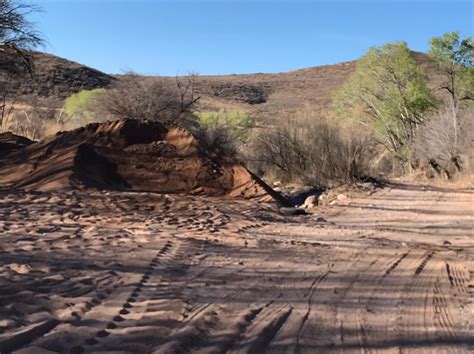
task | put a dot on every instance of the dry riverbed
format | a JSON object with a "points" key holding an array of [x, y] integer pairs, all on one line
{"points": [[150, 273]]}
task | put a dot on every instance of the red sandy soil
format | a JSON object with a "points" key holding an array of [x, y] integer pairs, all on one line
{"points": [[139, 272], [123, 155]]}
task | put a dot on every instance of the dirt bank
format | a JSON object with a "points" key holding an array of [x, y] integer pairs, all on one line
{"points": [[124, 155]]}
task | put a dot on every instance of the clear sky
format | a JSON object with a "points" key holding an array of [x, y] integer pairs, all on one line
{"points": [[226, 37]]}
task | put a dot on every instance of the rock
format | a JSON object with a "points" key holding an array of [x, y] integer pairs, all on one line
{"points": [[342, 197], [292, 211], [310, 202]]}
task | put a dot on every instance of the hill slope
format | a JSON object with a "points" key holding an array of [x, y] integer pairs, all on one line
{"points": [[267, 97], [56, 78]]}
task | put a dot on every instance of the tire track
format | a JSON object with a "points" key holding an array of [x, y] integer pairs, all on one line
{"points": [[396, 264], [385, 298], [260, 332], [424, 262], [416, 296], [311, 292], [457, 279], [137, 301], [80, 332], [441, 314]]}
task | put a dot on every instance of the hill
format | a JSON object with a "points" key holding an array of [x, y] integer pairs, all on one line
{"points": [[55, 79], [267, 97], [270, 97]]}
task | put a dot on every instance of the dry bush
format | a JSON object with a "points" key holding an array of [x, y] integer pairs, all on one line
{"points": [[446, 145], [23, 123], [136, 97], [217, 141], [311, 152]]}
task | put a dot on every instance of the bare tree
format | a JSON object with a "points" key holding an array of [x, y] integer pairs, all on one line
{"points": [[137, 97], [15, 28], [17, 37], [441, 144]]}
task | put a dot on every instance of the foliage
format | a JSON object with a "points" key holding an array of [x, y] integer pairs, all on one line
{"points": [[224, 133], [217, 141], [237, 123], [386, 93], [79, 107], [455, 62], [450, 50]]}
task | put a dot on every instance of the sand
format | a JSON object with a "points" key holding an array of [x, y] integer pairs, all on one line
{"points": [[124, 155], [140, 272]]}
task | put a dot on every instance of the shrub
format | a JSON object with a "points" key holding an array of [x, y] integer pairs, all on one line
{"points": [[217, 142], [80, 107], [136, 97], [315, 153], [237, 123], [224, 133], [446, 147]]}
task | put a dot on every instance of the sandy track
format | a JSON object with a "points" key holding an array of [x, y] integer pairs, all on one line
{"points": [[138, 272]]}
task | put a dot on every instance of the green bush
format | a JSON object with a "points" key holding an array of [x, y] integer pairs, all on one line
{"points": [[236, 123], [79, 107]]}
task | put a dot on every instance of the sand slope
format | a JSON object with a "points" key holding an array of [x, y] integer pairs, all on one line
{"points": [[125, 155]]}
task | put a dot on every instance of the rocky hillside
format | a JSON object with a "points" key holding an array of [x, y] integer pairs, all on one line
{"points": [[267, 97], [56, 78]]}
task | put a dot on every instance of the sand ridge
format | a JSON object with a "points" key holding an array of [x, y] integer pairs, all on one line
{"points": [[126, 155]]}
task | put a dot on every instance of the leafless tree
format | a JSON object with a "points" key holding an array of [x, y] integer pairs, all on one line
{"points": [[137, 97], [17, 37], [441, 144], [15, 28]]}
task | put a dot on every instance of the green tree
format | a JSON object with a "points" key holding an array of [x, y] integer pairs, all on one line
{"points": [[388, 94], [454, 58]]}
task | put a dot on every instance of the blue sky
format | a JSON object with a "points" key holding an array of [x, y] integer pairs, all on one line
{"points": [[226, 37]]}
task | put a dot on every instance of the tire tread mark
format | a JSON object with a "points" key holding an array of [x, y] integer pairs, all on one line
{"points": [[395, 264], [312, 290], [424, 262]]}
